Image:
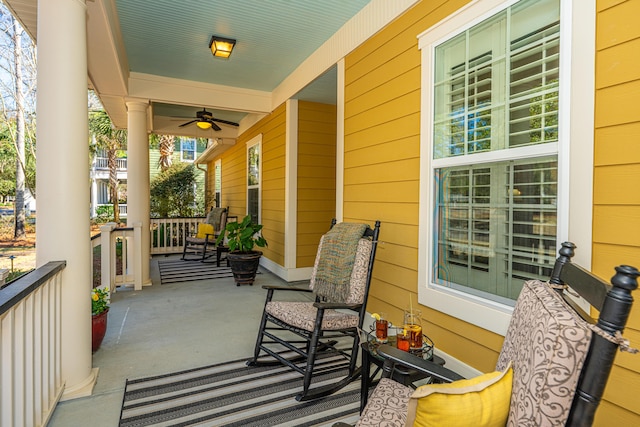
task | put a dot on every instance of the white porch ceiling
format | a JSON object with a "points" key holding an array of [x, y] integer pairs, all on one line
{"points": [[158, 51]]}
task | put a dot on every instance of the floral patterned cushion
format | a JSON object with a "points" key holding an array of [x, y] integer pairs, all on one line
{"points": [[302, 315], [387, 405], [547, 343], [358, 274]]}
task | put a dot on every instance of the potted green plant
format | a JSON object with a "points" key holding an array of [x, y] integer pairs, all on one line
{"points": [[99, 311], [242, 237]]}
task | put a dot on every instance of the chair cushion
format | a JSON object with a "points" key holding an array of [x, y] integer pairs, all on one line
{"points": [[482, 401], [387, 405], [547, 343], [359, 272], [203, 230], [302, 315]]}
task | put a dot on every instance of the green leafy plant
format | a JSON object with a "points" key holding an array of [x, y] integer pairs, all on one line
{"points": [[104, 213], [243, 236], [99, 301]]}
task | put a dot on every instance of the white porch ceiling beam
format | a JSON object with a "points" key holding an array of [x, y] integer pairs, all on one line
{"points": [[197, 94]]}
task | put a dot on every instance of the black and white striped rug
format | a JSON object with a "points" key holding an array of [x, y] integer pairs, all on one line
{"points": [[233, 394], [177, 270]]}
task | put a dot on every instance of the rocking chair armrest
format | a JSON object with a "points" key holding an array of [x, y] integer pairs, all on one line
{"points": [[394, 356], [336, 305], [285, 288]]}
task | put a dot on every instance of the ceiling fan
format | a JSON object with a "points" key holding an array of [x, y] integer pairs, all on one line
{"points": [[205, 120]]}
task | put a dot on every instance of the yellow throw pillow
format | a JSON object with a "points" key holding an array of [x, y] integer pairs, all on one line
{"points": [[480, 402], [203, 230]]}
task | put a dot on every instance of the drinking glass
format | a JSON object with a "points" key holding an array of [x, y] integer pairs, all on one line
{"points": [[382, 326], [402, 340]]}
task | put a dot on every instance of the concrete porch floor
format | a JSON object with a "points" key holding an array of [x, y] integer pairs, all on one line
{"points": [[163, 329]]}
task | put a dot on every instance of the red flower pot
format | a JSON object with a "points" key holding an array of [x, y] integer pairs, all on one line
{"points": [[98, 329]]}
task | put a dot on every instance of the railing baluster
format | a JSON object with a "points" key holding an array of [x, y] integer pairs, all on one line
{"points": [[30, 347]]}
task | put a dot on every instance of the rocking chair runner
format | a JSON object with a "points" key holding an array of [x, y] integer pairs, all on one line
{"points": [[318, 323], [202, 245], [561, 358]]}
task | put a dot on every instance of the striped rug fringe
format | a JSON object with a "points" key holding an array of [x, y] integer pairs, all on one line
{"points": [[233, 394]]}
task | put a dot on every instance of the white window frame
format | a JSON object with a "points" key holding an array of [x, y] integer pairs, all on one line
{"points": [[217, 184], [575, 151], [257, 140], [182, 150]]}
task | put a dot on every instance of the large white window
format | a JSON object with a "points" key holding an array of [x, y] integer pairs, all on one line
{"points": [[495, 186], [254, 169], [496, 91]]}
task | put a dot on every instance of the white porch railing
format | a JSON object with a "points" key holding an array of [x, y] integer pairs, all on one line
{"points": [[103, 163], [167, 234], [120, 256], [30, 347], [121, 263]]}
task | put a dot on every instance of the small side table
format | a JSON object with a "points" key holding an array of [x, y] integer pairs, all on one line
{"points": [[403, 375]]}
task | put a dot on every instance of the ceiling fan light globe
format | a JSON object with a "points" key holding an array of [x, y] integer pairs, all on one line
{"points": [[203, 125]]}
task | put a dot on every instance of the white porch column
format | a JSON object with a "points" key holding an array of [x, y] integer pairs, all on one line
{"points": [[63, 178], [138, 209]]}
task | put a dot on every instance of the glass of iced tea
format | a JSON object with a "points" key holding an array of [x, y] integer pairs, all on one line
{"points": [[413, 326], [382, 326], [402, 340]]}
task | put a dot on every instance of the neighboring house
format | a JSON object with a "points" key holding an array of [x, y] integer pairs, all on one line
{"points": [[481, 134], [185, 150], [100, 182]]}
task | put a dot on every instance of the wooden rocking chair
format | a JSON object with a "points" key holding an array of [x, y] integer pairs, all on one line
{"points": [[202, 244], [560, 360], [320, 325]]}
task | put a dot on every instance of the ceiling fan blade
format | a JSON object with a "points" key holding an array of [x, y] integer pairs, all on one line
{"points": [[214, 126], [188, 123], [226, 122]]}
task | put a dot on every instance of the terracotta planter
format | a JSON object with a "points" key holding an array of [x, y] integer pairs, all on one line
{"points": [[244, 266], [98, 329]]}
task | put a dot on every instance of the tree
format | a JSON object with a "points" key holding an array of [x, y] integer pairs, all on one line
{"points": [[111, 140], [166, 145], [17, 89], [172, 192], [19, 231]]}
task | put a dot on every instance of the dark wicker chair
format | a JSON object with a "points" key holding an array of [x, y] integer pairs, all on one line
{"points": [[556, 384], [306, 328]]}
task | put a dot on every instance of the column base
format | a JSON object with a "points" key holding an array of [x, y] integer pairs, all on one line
{"points": [[83, 389]]}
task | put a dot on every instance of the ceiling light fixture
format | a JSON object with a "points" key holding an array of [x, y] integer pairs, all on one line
{"points": [[204, 125], [221, 47]]}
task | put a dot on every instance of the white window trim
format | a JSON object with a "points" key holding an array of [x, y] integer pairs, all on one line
{"points": [[256, 140], [575, 160]]}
